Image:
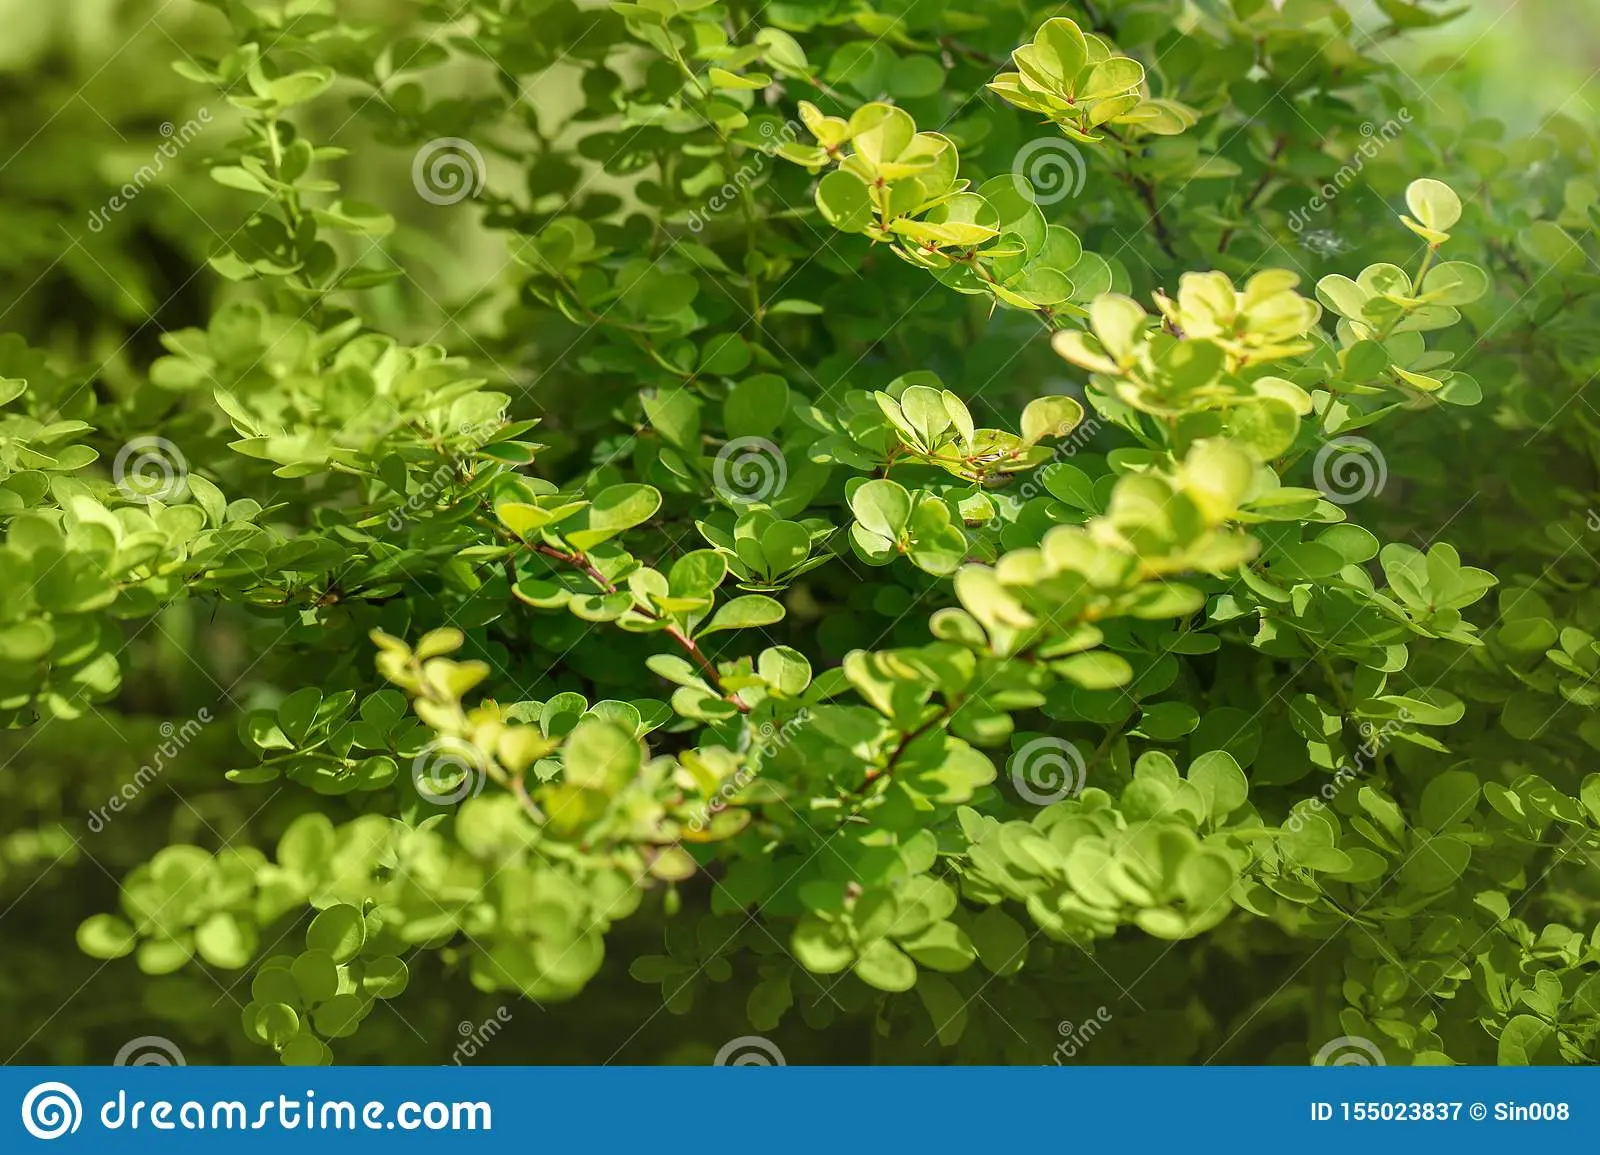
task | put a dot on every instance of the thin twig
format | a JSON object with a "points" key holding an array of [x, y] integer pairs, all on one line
{"points": [[577, 559]]}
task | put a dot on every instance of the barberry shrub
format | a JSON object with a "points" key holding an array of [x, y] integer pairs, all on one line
{"points": [[884, 529]]}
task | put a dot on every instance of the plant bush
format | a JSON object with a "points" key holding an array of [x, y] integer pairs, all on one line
{"points": [[936, 523]]}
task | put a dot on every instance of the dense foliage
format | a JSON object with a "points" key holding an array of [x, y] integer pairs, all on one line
{"points": [[934, 523]]}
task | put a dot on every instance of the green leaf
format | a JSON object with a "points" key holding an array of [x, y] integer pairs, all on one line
{"points": [[299, 87], [226, 940], [844, 202], [721, 78], [1060, 49], [316, 976], [945, 1006], [881, 964], [275, 1024], [1550, 244], [675, 413], [1436, 863], [297, 711], [385, 977], [601, 756], [756, 406], [1219, 778], [1524, 1042], [339, 1017], [785, 669], [340, 930], [613, 510], [822, 947], [1434, 204], [1455, 283], [743, 613], [1050, 417], [697, 574], [1000, 940], [105, 936], [882, 507]]}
